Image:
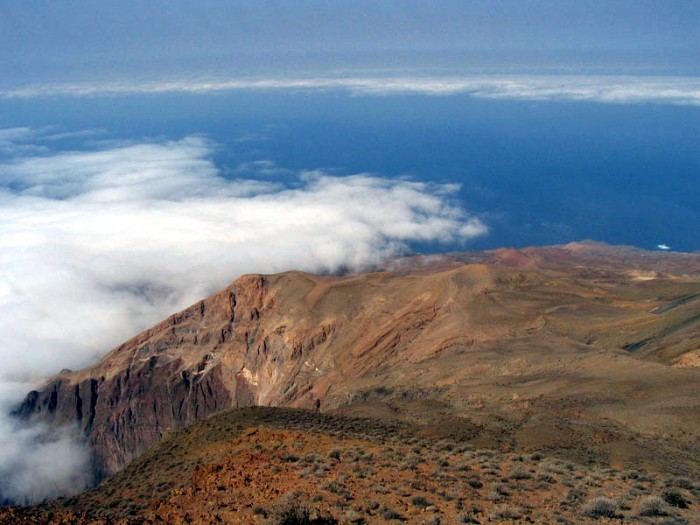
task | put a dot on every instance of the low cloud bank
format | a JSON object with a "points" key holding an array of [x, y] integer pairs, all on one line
{"points": [[97, 245], [618, 89], [37, 463]]}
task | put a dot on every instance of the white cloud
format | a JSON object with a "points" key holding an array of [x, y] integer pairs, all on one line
{"points": [[38, 463], [620, 89], [32, 141], [95, 245], [98, 245]]}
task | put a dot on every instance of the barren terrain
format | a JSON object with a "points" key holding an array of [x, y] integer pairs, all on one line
{"points": [[269, 465], [583, 356]]}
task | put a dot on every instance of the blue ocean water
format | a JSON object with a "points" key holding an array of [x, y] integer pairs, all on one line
{"points": [[536, 172]]}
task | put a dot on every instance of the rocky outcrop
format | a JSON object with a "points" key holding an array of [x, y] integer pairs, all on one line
{"points": [[301, 340], [287, 339], [195, 363]]}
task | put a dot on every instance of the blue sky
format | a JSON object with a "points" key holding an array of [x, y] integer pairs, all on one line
{"points": [[61, 40]]}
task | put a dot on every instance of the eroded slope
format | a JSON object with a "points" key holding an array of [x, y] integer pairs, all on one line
{"points": [[532, 349]]}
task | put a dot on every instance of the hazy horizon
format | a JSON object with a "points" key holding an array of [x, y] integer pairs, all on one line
{"points": [[58, 42]]}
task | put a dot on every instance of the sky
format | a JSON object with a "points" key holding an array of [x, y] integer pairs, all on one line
{"points": [[111, 219], [50, 40]]}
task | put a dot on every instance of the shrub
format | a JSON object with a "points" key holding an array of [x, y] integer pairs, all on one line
{"points": [[294, 512], [652, 506], [402, 492], [291, 513], [420, 501], [379, 489], [332, 486], [683, 483], [505, 512], [390, 514], [520, 473], [498, 492], [475, 483], [675, 498], [547, 478], [576, 494], [600, 507]]}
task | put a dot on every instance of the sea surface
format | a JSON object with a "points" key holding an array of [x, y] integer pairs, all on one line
{"points": [[536, 172]]}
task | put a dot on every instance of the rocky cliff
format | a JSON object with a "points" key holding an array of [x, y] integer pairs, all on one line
{"points": [[519, 335]]}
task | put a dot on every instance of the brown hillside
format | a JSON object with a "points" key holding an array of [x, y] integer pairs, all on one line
{"points": [[268, 466], [582, 351]]}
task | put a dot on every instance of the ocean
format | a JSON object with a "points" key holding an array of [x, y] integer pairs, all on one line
{"points": [[535, 172]]}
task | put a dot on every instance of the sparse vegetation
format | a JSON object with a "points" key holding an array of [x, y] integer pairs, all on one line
{"points": [[389, 513], [675, 498], [652, 506], [505, 512], [420, 501], [289, 513], [329, 485], [466, 518], [600, 507]]}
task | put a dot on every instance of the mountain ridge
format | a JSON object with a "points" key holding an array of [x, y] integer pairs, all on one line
{"points": [[518, 349]]}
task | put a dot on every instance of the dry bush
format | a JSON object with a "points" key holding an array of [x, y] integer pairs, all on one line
{"points": [[675, 498], [390, 514], [505, 512], [600, 507], [652, 506]]}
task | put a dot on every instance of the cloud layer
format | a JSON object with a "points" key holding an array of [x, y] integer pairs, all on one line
{"points": [[680, 90], [97, 245]]}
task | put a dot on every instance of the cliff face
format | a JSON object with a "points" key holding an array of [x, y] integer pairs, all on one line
{"points": [[461, 335], [196, 362], [261, 341]]}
